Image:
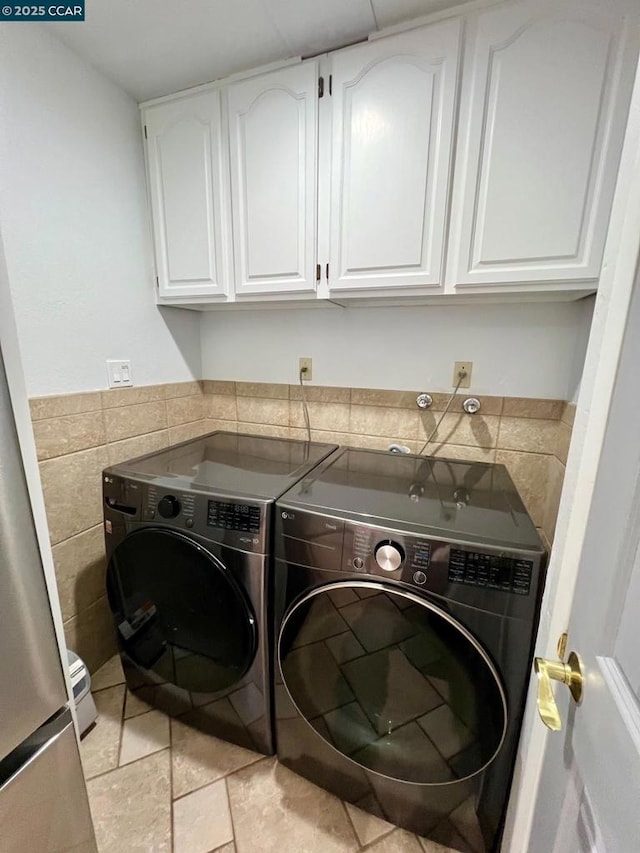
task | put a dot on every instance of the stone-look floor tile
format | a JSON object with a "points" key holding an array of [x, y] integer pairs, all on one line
{"points": [[433, 847], [131, 807], [528, 434], [91, 635], [80, 570], [228, 848], [108, 675], [460, 428], [134, 706], [127, 421], [116, 397], [143, 735], [368, 827], [271, 805], [72, 492], [58, 406], [525, 407], [399, 841], [99, 748], [139, 445], [201, 820], [68, 434], [199, 758]]}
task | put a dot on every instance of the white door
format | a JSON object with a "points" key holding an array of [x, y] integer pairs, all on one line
{"points": [[545, 94], [585, 779], [392, 104], [273, 120], [188, 175]]}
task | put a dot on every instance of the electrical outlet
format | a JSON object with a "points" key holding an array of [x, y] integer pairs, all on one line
{"points": [[467, 366], [305, 365], [119, 373]]}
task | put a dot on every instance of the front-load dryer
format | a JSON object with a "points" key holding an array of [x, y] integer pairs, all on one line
{"points": [[407, 595], [188, 538]]}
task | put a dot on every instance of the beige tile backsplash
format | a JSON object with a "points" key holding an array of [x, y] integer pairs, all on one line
{"points": [[78, 435]]}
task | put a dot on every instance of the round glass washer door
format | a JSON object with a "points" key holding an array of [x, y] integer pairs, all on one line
{"points": [[392, 682], [179, 612]]}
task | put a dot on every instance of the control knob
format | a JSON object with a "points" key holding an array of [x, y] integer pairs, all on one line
{"points": [[169, 506], [389, 556]]}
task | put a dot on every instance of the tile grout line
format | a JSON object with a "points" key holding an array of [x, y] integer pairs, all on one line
{"points": [[233, 825], [171, 800], [220, 778]]}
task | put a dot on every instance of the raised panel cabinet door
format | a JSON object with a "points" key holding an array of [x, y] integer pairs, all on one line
{"points": [[545, 92], [273, 143], [188, 175], [393, 106]]}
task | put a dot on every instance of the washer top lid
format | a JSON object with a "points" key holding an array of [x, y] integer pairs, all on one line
{"points": [[229, 463], [438, 497]]}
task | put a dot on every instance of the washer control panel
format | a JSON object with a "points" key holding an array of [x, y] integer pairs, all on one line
{"points": [[494, 571]]}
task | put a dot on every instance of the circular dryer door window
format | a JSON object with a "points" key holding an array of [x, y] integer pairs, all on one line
{"points": [[392, 682], [179, 612]]}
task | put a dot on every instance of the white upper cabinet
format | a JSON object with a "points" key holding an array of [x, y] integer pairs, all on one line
{"points": [[189, 192], [273, 154], [544, 101], [392, 105]]}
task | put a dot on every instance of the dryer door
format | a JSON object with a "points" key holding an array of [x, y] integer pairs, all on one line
{"points": [[392, 682], [179, 612]]}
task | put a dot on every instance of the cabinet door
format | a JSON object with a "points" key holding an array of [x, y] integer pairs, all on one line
{"points": [[544, 98], [273, 141], [393, 107], [189, 190]]}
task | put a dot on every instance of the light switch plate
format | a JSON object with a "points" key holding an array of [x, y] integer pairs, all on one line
{"points": [[119, 373]]}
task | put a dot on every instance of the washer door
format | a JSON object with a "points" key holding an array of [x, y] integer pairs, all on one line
{"points": [[392, 682], [179, 612]]}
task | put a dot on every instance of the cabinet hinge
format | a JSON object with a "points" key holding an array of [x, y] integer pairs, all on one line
{"points": [[321, 87], [327, 272], [318, 272], [145, 132]]}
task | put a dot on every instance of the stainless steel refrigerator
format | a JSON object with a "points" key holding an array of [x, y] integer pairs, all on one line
{"points": [[43, 797]]}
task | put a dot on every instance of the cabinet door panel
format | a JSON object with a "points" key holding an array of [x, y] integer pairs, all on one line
{"points": [[273, 135], [393, 104], [188, 177], [542, 117]]}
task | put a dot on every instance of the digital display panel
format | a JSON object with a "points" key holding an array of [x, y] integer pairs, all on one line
{"points": [[242, 518]]}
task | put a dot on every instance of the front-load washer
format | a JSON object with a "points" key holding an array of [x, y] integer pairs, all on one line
{"points": [[407, 595], [188, 538]]}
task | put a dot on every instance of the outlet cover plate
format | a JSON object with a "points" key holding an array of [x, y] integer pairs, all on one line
{"points": [[457, 367], [308, 363], [119, 373]]}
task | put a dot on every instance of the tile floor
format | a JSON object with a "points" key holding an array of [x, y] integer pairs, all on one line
{"points": [[158, 785]]}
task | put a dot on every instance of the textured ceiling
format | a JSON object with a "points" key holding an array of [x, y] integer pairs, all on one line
{"points": [[155, 47]]}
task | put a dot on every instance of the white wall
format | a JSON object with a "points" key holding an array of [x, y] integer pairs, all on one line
{"points": [[74, 221], [528, 350]]}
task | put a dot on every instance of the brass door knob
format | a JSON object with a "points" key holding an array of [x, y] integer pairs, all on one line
{"points": [[569, 673]]}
